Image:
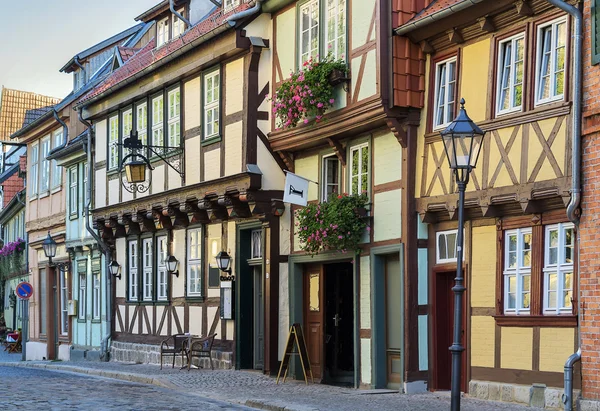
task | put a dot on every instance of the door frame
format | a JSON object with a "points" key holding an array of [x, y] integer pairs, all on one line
{"points": [[378, 310], [296, 265], [435, 270]]}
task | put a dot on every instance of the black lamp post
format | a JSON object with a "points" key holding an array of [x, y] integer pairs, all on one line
{"points": [[50, 246], [463, 140]]}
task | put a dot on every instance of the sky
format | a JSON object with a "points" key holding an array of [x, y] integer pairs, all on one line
{"points": [[40, 36]]}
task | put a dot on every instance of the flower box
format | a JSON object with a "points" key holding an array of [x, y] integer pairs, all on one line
{"points": [[337, 77]]}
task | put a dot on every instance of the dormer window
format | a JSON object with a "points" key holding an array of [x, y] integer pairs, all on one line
{"points": [[78, 79], [230, 4], [178, 24], [162, 32]]}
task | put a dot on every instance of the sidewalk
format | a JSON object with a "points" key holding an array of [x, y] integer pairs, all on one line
{"points": [[257, 390]]}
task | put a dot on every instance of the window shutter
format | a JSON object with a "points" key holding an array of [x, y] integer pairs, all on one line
{"points": [[595, 32]]}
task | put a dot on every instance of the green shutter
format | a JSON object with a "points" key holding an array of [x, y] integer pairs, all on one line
{"points": [[595, 32]]}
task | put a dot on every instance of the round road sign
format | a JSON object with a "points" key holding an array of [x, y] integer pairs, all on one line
{"points": [[24, 290]]}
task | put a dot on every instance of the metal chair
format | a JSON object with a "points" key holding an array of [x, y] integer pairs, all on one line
{"points": [[173, 346], [201, 347]]}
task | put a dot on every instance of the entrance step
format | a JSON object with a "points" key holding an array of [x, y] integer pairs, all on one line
{"points": [[150, 354]]}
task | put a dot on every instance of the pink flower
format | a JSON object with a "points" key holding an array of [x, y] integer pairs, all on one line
{"points": [[331, 101], [319, 105], [340, 237], [305, 121], [368, 229]]}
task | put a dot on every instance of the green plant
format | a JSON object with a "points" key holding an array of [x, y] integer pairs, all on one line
{"points": [[307, 93], [334, 225]]}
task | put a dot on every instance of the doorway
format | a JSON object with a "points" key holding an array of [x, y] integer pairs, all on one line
{"points": [[329, 322], [259, 319], [393, 306], [443, 326]]}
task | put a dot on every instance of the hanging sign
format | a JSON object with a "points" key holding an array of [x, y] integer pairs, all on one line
{"points": [[296, 189]]}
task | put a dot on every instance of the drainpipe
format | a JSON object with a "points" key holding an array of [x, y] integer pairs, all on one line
{"points": [[105, 344], [65, 129], [573, 210], [179, 16], [232, 20], [76, 61]]}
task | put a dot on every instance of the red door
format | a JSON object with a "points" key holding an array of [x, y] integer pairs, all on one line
{"points": [[314, 315]]}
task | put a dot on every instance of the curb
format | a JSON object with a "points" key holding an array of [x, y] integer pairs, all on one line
{"points": [[273, 406]]}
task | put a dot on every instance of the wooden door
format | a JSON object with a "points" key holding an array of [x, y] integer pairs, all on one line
{"points": [[314, 317], [259, 316], [393, 288]]}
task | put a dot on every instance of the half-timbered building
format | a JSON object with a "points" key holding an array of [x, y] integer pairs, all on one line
{"points": [[511, 62], [196, 98]]}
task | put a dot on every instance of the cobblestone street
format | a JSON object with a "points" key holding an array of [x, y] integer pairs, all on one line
{"points": [[42, 385]]}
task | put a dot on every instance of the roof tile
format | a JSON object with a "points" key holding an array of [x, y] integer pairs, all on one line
{"points": [[435, 7], [17, 106]]}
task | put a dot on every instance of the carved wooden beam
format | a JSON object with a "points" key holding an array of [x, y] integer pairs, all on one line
{"points": [[131, 227], [178, 218], [146, 223], [235, 208], [488, 210], [162, 220], [399, 131], [194, 213], [106, 231], [426, 47], [288, 160], [454, 36], [338, 149], [117, 228], [213, 209], [523, 8], [452, 211], [530, 206], [487, 24]]}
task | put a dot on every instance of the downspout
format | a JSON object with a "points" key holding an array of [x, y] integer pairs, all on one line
{"points": [[76, 61], [573, 210], [105, 343], [179, 16], [65, 129], [232, 20]]}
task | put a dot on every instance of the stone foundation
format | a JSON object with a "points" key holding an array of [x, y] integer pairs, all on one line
{"points": [[536, 395], [150, 354]]}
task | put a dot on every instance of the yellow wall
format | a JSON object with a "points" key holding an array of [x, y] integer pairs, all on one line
{"points": [[192, 98], [286, 36], [308, 167], [474, 70], [388, 153], [483, 267], [482, 341], [556, 344], [517, 348], [234, 78]]}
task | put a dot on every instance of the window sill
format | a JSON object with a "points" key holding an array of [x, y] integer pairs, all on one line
{"points": [[56, 189], [81, 320], [211, 140], [111, 172], [33, 197], [73, 216], [43, 195], [96, 321], [195, 298], [536, 320]]}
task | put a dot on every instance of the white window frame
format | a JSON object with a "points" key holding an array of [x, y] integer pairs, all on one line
{"points": [[554, 46], [194, 262], [73, 194], [519, 272], [113, 141], [162, 32], [132, 255], [511, 71], [359, 147], [178, 24], [338, 44], [96, 294], [45, 165], [446, 115], [324, 176], [82, 295], [161, 268], [126, 127], [85, 181], [312, 7], [34, 169], [559, 268], [56, 169], [64, 302], [256, 243], [174, 118], [158, 117], [141, 122], [147, 269], [446, 233], [212, 106], [229, 5]]}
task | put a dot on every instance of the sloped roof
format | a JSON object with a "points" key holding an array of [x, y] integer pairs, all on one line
{"points": [[34, 113], [14, 105], [149, 55], [436, 6], [126, 52]]}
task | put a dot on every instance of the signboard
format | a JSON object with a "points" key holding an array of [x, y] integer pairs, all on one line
{"points": [[296, 336], [24, 290], [227, 300], [296, 189]]}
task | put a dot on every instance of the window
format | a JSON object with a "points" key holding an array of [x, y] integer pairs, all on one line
{"points": [[194, 262], [33, 169], [43, 301], [359, 169], [158, 138], [558, 268], [113, 141], [141, 120], [445, 93], [212, 85], [230, 4], [161, 259], [64, 302], [309, 31], [85, 181], [126, 125], [336, 27], [256, 242], [82, 295], [133, 270], [56, 170], [147, 275], [45, 174], [446, 247], [330, 177], [96, 296], [517, 271], [550, 61], [510, 74], [174, 118], [73, 197], [178, 24], [162, 32]]}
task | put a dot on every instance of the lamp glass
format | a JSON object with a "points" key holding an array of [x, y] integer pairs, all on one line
{"points": [[223, 260], [463, 140], [49, 246], [135, 172], [172, 264], [114, 268]]}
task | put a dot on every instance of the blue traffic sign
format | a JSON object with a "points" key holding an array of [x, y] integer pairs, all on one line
{"points": [[24, 290]]}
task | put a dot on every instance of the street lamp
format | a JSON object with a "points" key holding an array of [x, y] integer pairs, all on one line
{"points": [[223, 262], [113, 269], [50, 246], [463, 140], [172, 264]]}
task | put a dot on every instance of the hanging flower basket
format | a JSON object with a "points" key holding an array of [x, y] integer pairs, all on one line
{"points": [[334, 225], [337, 77], [11, 257]]}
